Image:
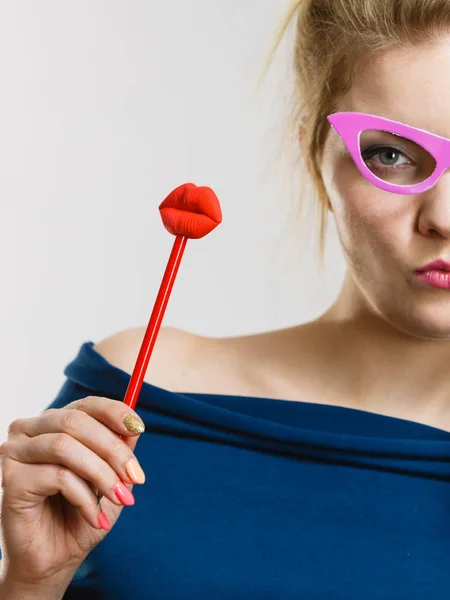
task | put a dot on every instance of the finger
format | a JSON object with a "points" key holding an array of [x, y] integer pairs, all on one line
{"points": [[116, 415], [62, 449], [112, 413], [131, 442], [91, 433], [33, 483]]}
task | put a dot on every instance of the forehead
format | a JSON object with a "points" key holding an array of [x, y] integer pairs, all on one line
{"points": [[407, 84]]}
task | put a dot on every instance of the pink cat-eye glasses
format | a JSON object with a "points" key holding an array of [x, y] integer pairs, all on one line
{"points": [[414, 158]]}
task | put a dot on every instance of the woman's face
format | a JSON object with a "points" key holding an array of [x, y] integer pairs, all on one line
{"points": [[387, 236]]}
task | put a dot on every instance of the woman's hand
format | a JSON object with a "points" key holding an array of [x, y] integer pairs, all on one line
{"points": [[52, 466]]}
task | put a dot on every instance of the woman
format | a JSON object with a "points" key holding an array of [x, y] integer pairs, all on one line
{"points": [[310, 462]]}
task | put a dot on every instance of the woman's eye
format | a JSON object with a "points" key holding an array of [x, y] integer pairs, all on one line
{"points": [[386, 157]]}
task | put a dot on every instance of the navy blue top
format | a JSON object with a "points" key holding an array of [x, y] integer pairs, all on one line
{"points": [[257, 498]]}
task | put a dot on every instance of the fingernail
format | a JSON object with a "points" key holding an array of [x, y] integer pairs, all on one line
{"points": [[134, 471], [133, 424], [123, 494], [103, 522]]}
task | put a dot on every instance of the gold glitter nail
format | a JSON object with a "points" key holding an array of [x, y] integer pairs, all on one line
{"points": [[133, 424]]}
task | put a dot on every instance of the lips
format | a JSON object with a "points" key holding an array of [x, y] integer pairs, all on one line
{"points": [[191, 211], [436, 265]]}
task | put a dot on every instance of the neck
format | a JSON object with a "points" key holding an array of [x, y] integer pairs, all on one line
{"points": [[384, 369]]}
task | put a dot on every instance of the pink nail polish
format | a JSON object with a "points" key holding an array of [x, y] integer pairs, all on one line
{"points": [[103, 521], [123, 494]]}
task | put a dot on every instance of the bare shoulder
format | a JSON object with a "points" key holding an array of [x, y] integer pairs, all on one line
{"points": [[185, 362], [174, 349]]}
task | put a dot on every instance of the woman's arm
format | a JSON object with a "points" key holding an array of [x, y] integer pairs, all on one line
{"points": [[12, 590], [85, 423]]}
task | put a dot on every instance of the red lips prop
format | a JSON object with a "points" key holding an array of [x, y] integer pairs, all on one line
{"points": [[191, 211], [187, 212]]}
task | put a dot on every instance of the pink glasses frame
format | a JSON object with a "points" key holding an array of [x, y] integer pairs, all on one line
{"points": [[350, 125]]}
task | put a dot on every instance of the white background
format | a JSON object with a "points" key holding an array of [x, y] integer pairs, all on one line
{"points": [[105, 107]]}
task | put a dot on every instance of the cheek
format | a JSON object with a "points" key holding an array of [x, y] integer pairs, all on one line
{"points": [[372, 224]]}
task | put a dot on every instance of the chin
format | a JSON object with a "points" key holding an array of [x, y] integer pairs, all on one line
{"points": [[424, 325]]}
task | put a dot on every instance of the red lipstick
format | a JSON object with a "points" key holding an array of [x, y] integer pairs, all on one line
{"points": [[436, 265], [436, 274]]}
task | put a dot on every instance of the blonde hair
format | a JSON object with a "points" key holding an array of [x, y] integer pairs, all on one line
{"points": [[331, 38]]}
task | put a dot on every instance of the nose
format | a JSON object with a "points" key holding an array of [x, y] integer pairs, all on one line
{"points": [[434, 216]]}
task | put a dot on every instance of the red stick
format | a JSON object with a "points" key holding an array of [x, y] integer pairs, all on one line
{"points": [[162, 299], [187, 212]]}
